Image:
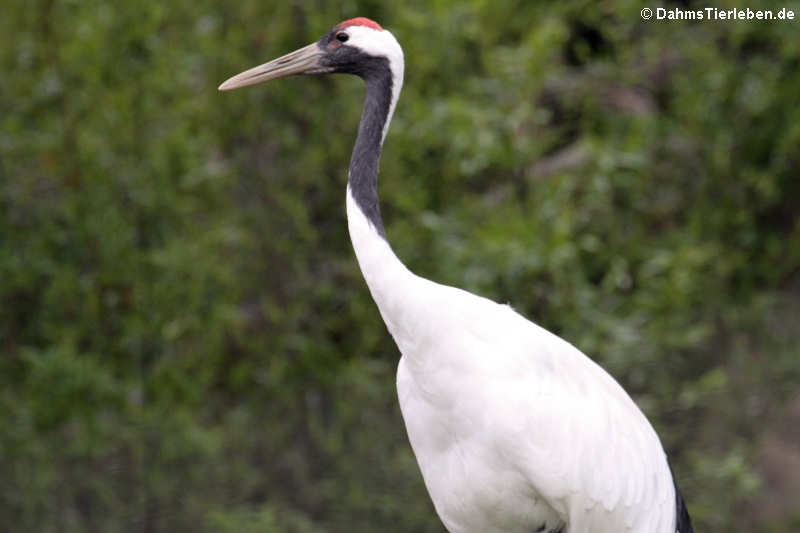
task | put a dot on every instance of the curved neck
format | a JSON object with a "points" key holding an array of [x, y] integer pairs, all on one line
{"points": [[389, 281], [383, 89]]}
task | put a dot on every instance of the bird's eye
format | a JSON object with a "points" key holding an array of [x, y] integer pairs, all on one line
{"points": [[342, 37]]}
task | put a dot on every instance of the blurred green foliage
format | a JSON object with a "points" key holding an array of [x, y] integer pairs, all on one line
{"points": [[187, 344]]}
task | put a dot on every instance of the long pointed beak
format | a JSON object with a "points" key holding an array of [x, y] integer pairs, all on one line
{"points": [[303, 61]]}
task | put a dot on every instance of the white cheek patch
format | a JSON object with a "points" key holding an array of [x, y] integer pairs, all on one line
{"points": [[381, 43]]}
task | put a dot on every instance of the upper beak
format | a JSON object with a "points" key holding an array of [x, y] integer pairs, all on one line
{"points": [[303, 61]]}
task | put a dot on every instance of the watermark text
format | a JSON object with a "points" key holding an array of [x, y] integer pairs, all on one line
{"points": [[714, 13]]}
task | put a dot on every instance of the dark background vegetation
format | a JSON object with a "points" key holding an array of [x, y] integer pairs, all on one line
{"points": [[187, 343]]}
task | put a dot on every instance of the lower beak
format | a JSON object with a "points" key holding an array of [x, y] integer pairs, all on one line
{"points": [[303, 61]]}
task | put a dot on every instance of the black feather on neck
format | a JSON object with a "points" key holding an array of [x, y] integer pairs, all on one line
{"points": [[363, 175]]}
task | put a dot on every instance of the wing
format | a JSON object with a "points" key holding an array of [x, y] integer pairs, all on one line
{"points": [[581, 440], [558, 417], [483, 388]]}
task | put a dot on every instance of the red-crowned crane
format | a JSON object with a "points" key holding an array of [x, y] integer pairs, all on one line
{"points": [[515, 430]]}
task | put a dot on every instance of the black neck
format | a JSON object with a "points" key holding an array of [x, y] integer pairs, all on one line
{"points": [[363, 176]]}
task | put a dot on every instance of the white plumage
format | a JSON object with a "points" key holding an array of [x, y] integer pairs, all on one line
{"points": [[514, 429], [511, 425]]}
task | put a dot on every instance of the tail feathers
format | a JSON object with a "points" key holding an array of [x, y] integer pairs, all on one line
{"points": [[683, 524]]}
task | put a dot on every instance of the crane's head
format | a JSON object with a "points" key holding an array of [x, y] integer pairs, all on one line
{"points": [[357, 46]]}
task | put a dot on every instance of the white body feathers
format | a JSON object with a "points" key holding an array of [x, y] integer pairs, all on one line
{"points": [[513, 427]]}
